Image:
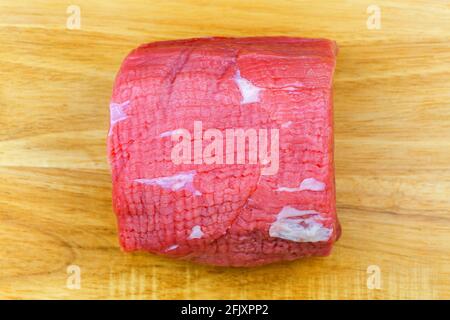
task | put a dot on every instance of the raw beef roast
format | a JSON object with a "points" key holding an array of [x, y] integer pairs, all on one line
{"points": [[221, 149]]}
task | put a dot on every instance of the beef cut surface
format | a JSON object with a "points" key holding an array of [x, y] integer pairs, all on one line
{"points": [[173, 100]]}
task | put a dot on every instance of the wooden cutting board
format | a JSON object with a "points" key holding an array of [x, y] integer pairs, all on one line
{"points": [[392, 123]]}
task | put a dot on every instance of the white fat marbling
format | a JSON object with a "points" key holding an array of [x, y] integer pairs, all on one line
{"points": [[286, 124], [196, 233], [312, 184], [172, 247], [117, 113], [250, 92], [182, 180], [309, 184], [290, 88], [300, 226]]}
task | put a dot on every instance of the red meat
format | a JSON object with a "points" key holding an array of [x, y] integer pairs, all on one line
{"points": [[231, 213]]}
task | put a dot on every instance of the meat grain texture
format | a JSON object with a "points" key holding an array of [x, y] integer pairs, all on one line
{"points": [[225, 214]]}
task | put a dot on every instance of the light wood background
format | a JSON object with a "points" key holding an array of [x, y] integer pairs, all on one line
{"points": [[392, 121]]}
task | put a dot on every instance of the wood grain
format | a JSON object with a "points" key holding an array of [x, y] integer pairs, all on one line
{"points": [[392, 119]]}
